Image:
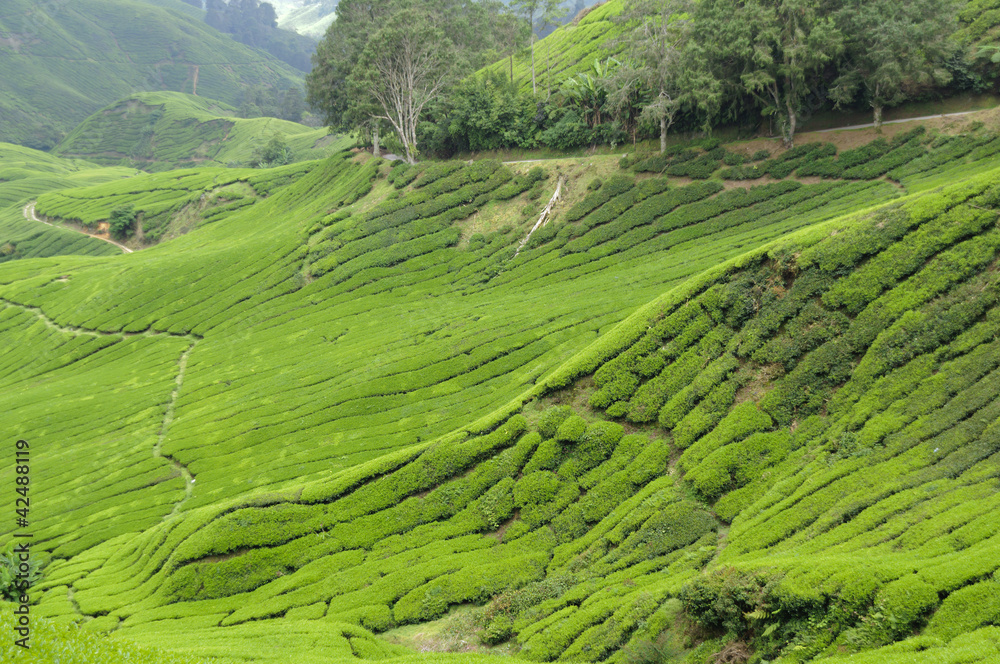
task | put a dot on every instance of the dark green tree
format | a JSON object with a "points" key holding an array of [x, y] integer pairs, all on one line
{"points": [[293, 105], [336, 57], [381, 62], [893, 48], [404, 65], [122, 222], [771, 50], [274, 153], [664, 59], [489, 113]]}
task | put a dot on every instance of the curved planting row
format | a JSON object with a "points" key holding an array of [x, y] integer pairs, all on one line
{"points": [[828, 396], [306, 408]]}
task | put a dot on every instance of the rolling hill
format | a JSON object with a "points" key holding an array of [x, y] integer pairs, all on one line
{"points": [[691, 416], [306, 17], [89, 53], [26, 173], [158, 131]]}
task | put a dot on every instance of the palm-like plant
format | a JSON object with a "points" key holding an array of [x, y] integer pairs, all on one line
{"points": [[588, 90]]}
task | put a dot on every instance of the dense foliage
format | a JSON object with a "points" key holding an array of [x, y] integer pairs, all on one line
{"points": [[623, 72], [255, 23]]}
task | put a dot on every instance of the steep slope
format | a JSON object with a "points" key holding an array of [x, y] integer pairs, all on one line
{"points": [[331, 411], [158, 131], [569, 50], [92, 52]]}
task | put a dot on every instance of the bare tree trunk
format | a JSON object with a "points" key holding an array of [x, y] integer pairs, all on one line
{"points": [[878, 118], [789, 133], [548, 69], [534, 88], [663, 135], [376, 149], [512, 68]]}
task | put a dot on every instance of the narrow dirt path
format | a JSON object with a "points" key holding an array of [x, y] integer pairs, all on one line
{"points": [[29, 214], [168, 417]]}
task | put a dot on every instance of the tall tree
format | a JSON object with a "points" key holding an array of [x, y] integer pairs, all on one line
{"points": [[893, 48], [337, 54], [403, 66], [511, 32], [373, 68], [292, 104], [775, 49], [663, 58], [534, 11]]}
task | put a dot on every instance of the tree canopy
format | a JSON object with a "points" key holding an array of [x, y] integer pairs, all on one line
{"points": [[398, 66], [381, 62]]}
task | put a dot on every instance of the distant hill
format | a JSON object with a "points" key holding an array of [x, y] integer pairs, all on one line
{"points": [[60, 62], [157, 131], [306, 17]]}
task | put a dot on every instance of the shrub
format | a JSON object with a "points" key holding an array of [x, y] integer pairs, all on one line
{"points": [[497, 504], [724, 599], [598, 442], [497, 630], [535, 488], [546, 457], [733, 159], [9, 571], [122, 221], [569, 132], [551, 419], [572, 429]]}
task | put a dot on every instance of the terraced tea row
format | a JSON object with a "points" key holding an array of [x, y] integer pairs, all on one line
{"points": [[586, 541], [354, 410], [159, 131]]}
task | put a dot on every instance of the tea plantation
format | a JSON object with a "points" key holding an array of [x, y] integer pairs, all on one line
{"points": [[25, 173], [569, 50], [696, 419], [62, 60], [158, 131]]}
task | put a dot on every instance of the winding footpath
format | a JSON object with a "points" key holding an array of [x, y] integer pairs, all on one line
{"points": [[29, 214], [185, 473]]}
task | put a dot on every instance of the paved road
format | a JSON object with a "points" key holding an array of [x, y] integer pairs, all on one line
{"points": [[872, 124]]}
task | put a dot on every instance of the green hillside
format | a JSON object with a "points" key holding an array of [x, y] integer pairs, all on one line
{"points": [[166, 204], [26, 173], [158, 131], [569, 50], [60, 62], [689, 417]]}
